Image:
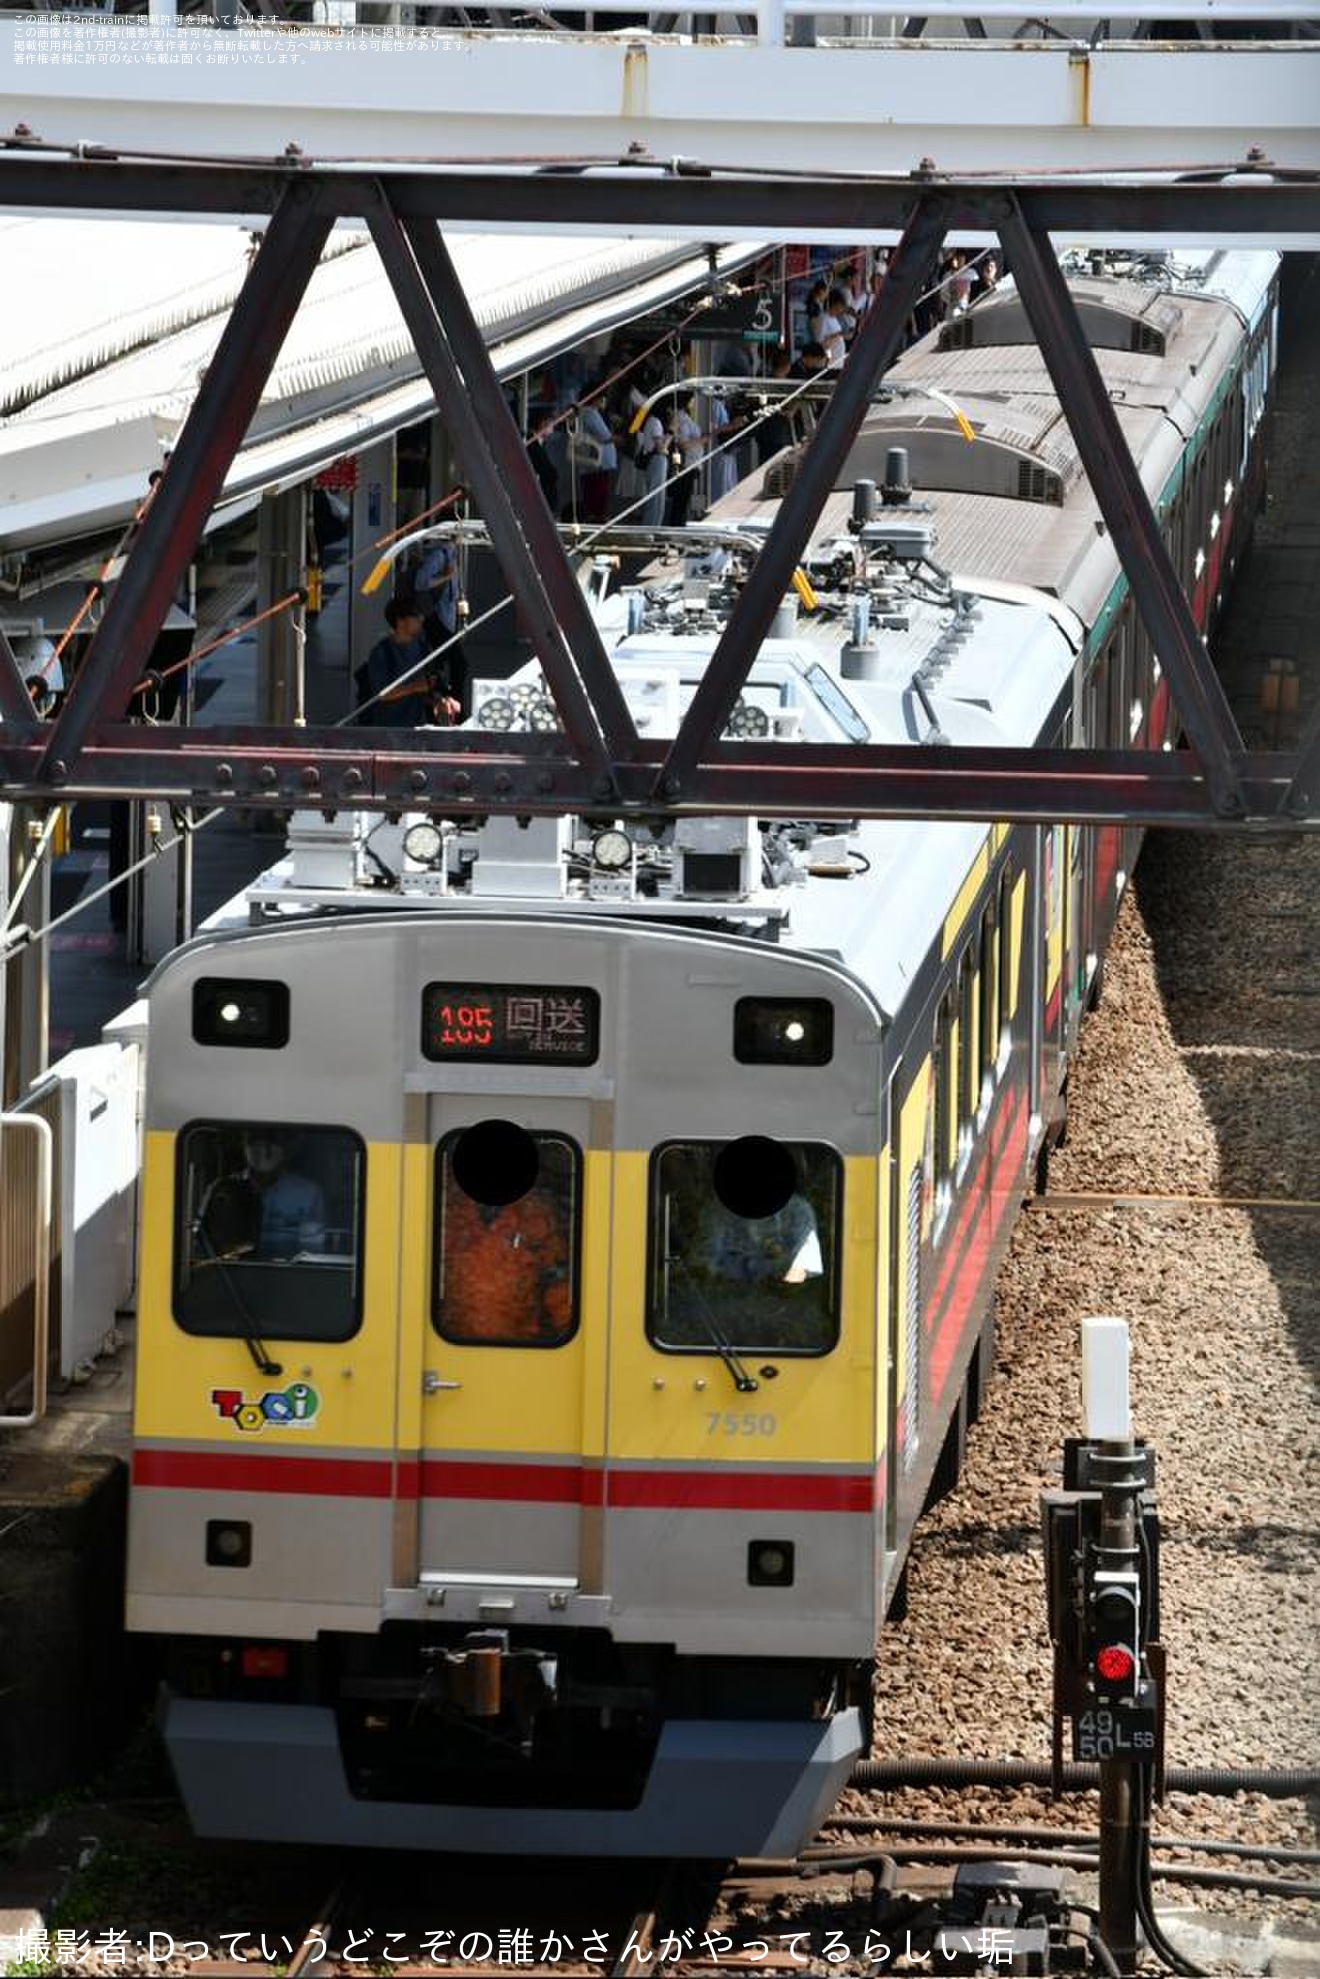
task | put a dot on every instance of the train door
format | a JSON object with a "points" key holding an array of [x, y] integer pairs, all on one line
{"points": [[504, 1335]]}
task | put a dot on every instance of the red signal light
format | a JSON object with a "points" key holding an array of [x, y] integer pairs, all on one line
{"points": [[264, 1660], [1114, 1663]]}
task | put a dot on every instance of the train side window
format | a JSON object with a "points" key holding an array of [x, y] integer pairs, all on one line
{"points": [[1119, 719], [1004, 986], [967, 1082], [269, 1230], [946, 1119], [987, 1027], [744, 1247], [507, 1218]]}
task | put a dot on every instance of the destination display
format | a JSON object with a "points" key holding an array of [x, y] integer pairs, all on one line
{"points": [[510, 1024]]}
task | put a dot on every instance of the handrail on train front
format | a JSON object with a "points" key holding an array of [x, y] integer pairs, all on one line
{"points": [[41, 1265]]}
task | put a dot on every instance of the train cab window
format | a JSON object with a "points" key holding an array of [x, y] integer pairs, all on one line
{"points": [[268, 1241], [744, 1247], [507, 1215]]}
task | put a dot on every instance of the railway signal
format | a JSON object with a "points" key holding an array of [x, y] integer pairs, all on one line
{"points": [[1101, 1564], [1114, 1634]]}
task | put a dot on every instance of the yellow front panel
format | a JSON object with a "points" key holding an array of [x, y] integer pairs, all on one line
{"points": [[683, 1407], [178, 1372]]}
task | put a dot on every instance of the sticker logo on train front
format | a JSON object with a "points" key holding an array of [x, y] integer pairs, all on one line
{"points": [[294, 1407]]}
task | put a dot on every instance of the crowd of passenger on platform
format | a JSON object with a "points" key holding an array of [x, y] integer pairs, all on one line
{"points": [[632, 446]]}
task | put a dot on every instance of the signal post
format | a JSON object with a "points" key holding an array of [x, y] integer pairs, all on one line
{"points": [[1101, 1563]]}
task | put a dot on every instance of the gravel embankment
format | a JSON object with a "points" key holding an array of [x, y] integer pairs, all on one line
{"points": [[1199, 1077]]}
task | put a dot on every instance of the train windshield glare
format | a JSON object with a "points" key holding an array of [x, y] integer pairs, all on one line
{"points": [[744, 1247]]}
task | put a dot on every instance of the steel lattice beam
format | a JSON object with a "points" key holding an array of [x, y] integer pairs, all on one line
{"points": [[92, 751], [461, 773], [689, 201]]}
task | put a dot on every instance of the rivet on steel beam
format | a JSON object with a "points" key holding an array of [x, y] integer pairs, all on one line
{"points": [[59, 769], [268, 775], [311, 777], [460, 783], [417, 779], [224, 773], [502, 783], [351, 780], [603, 788]]}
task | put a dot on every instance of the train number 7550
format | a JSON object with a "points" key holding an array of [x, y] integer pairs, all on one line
{"points": [[728, 1422]]}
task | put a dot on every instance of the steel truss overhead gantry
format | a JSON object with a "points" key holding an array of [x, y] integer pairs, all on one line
{"points": [[600, 761]]}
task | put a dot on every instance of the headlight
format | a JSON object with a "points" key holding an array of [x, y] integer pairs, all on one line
{"points": [[423, 843], [748, 721], [611, 850]]}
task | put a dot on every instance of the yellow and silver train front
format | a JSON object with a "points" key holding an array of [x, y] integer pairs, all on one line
{"points": [[510, 1386]]}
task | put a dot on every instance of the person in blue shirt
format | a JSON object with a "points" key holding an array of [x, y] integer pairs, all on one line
{"points": [[291, 1207], [436, 590], [262, 1210], [413, 701], [784, 1246]]}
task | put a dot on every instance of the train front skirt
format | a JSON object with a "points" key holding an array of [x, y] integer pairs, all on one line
{"points": [[717, 1788]]}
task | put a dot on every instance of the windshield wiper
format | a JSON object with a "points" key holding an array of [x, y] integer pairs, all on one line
{"points": [[745, 1383], [251, 1334]]}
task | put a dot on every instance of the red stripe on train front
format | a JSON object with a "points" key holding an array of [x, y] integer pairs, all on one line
{"points": [[708, 1489], [742, 1491], [245, 1470]]}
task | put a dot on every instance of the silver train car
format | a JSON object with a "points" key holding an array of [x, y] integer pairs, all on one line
{"points": [[567, 1248]]}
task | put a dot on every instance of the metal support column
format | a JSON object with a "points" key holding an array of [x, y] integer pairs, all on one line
{"points": [[281, 559], [1120, 1807], [373, 519], [25, 1000]]}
